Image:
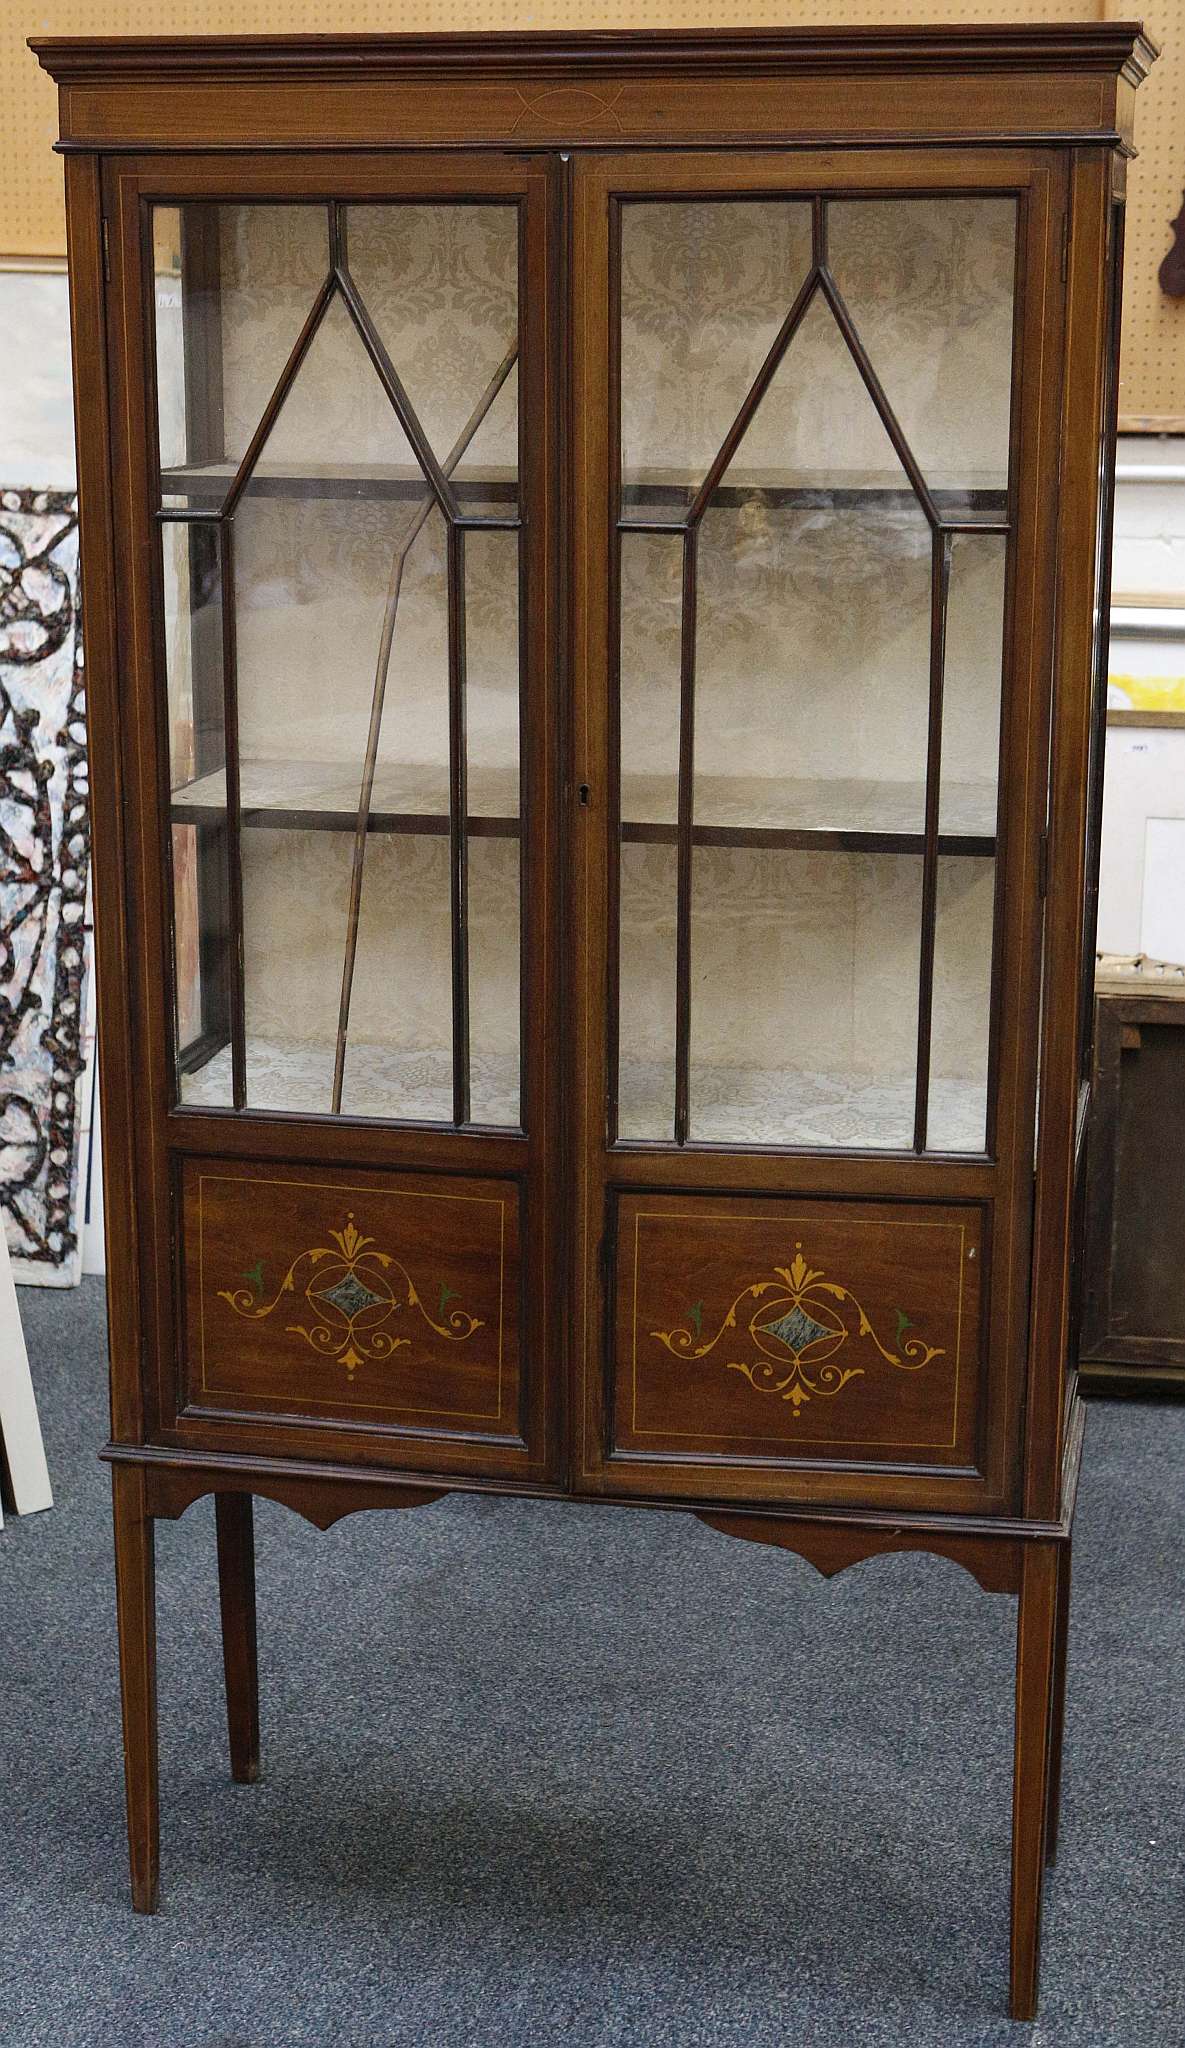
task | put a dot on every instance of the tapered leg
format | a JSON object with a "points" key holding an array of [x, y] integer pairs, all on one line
{"points": [[135, 1594], [236, 1593], [1058, 1710], [1036, 1634]]}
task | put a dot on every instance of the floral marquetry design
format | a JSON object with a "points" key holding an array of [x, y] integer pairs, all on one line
{"points": [[352, 1290], [799, 1324]]}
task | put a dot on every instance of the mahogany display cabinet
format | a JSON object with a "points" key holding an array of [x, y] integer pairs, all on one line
{"points": [[595, 552]]}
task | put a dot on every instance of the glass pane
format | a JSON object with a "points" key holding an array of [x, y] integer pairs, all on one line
{"points": [[349, 695], [494, 939], [813, 618], [965, 891], [646, 1063], [441, 285], [492, 693], [234, 285], [651, 611], [812, 417], [804, 997], [193, 650], [973, 685], [929, 284], [311, 583], [962, 1005], [704, 290]]}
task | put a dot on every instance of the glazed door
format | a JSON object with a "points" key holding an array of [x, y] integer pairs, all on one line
{"points": [[812, 695], [339, 745]]}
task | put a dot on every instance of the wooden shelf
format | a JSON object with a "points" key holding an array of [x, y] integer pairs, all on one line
{"points": [[291, 796], [972, 497], [849, 816]]}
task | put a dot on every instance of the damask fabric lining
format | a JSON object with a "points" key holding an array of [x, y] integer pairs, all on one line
{"points": [[44, 863], [743, 1105]]}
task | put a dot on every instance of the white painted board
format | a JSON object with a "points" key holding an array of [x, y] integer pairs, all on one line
{"points": [[20, 1430]]}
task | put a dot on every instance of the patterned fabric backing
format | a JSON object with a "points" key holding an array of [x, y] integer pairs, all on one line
{"points": [[730, 1105], [44, 862]]}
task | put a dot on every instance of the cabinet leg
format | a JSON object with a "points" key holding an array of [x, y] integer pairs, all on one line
{"points": [[135, 1597], [1036, 1635], [236, 1594], [1057, 1719]]}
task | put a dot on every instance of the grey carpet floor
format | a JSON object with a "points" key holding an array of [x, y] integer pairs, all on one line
{"points": [[536, 1774]]}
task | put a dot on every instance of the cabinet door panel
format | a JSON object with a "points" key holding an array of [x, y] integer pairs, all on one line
{"points": [[798, 1331], [342, 737], [811, 570], [352, 1297]]}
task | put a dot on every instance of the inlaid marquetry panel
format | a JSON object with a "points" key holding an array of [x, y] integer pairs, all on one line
{"points": [[797, 1330], [379, 1298]]}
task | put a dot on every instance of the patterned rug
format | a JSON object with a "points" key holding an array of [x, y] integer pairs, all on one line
{"points": [[44, 861]]}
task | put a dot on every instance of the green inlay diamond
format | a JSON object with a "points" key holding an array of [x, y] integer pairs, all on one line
{"points": [[350, 1295], [796, 1330]]}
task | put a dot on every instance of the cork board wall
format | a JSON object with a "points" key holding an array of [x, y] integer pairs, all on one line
{"points": [[1152, 390]]}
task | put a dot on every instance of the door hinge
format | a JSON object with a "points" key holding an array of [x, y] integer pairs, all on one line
{"points": [[1065, 246], [106, 249]]}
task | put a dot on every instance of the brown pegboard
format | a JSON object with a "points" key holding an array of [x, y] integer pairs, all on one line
{"points": [[1154, 331]]}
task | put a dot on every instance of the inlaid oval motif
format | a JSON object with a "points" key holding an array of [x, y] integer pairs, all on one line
{"points": [[347, 1285], [571, 106], [799, 1323]]}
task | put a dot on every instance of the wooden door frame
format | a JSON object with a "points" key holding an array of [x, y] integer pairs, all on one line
{"points": [[161, 1134], [1039, 178]]}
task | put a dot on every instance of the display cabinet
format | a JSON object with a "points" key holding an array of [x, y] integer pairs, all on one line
{"points": [[594, 553]]}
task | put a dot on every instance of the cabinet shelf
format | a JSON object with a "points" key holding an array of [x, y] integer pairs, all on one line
{"points": [[973, 498], [291, 796], [850, 815], [206, 484]]}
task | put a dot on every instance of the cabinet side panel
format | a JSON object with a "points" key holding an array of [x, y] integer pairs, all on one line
{"points": [[84, 221], [1088, 341]]}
